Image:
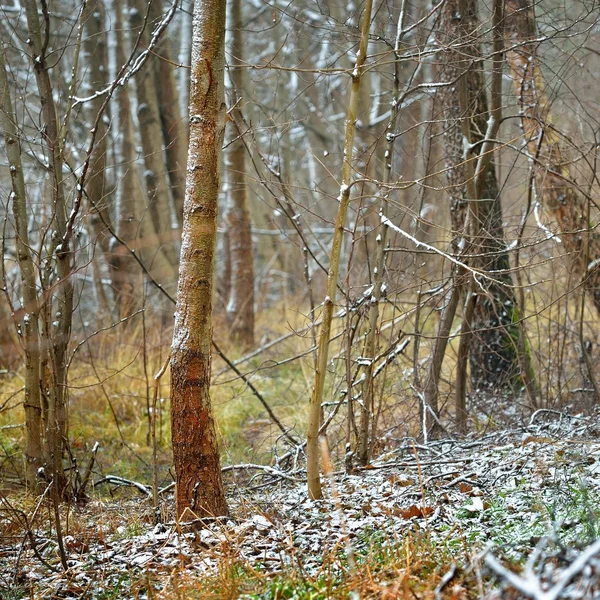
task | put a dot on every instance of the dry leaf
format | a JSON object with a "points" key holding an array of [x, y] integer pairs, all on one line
{"points": [[416, 511]]}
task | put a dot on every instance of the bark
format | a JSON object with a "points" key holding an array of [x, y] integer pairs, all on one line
{"points": [[561, 200], [96, 63], [10, 355], [127, 275], [152, 141], [185, 47], [466, 338], [29, 327], [367, 425], [493, 357], [240, 305], [430, 407], [56, 336], [174, 133], [314, 419], [195, 448]]}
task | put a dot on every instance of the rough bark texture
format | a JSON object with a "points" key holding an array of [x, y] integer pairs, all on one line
{"points": [[562, 202], [29, 314], [240, 305], [195, 448], [493, 355]]}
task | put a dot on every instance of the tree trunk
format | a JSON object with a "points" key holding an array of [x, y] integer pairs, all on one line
{"points": [[195, 448], [175, 134], [314, 418], [493, 356], [240, 305], [29, 331], [152, 142], [96, 61], [561, 200], [127, 274], [367, 429], [56, 324]]}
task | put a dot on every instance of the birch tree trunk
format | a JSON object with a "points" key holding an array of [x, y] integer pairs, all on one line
{"points": [[240, 305], [127, 275], [195, 447], [152, 141], [314, 417]]}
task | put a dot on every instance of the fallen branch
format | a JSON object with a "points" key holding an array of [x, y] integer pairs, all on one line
{"points": [[144, 489], [530, 585]]}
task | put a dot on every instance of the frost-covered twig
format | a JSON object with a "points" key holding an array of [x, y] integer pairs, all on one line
{"points": [[446, 579], [133, 64], [125, 482], [530, 585]]}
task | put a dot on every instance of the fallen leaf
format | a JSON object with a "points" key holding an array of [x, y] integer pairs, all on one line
{"points": [[416, 511]]}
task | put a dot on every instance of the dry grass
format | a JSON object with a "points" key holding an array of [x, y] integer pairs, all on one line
{"points": [[111, 379]]}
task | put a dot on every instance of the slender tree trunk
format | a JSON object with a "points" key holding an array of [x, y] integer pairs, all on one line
{"points": [[152, 141], [240, 305], [57, 324], [314, 418], [127, 274], [195, 448], [29, 328], [174, 131], [366, 428], [466, 336], [185, 47], [96, 61], [430, 407]]}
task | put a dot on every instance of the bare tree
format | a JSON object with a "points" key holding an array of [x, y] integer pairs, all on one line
{"points": [[555, 185], [240, 305], [29, 322], [173, 127], [195, 447], [493, 354], [314, 423], [150, 127], [127, 275], [57, 317]]}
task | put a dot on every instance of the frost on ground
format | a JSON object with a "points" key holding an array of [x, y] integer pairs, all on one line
{"points": [[525, 497]]}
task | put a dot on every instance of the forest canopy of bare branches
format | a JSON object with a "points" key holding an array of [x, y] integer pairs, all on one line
{"points": [[300, 299]]}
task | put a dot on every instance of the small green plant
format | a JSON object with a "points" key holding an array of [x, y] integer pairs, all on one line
{"points": [[13, 593], [117, 589]]}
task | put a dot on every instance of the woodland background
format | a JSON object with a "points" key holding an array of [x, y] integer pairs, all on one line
{"points": [[468, 292]]}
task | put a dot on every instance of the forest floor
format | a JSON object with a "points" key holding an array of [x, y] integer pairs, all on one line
{"points": [[513, 514]]}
